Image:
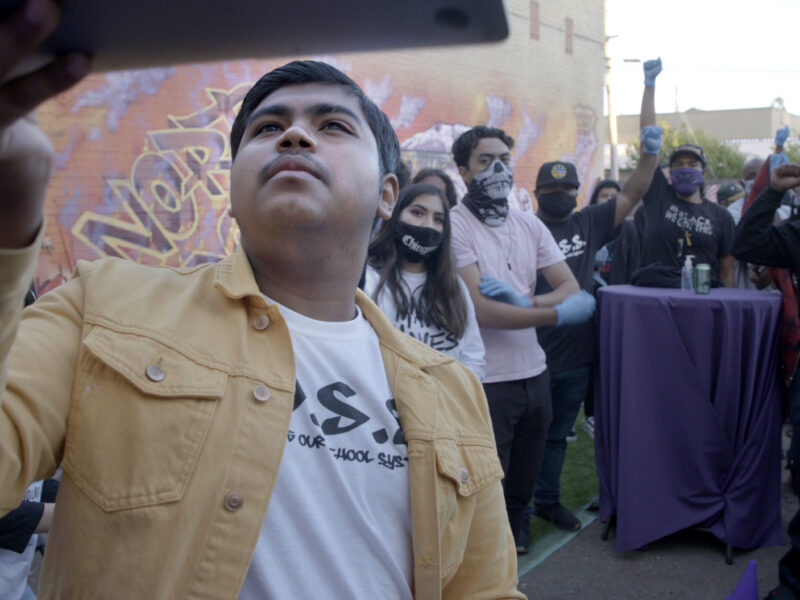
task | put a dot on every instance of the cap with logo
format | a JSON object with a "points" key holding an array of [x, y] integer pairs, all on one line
{"points": [[692, 149], [729, 192], [557, 172]]}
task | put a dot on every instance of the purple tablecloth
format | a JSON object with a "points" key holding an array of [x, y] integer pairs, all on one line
{"points": [[687, 405]]}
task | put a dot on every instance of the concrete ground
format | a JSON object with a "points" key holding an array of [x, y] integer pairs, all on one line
{"points": [[686, 566], [689, 565]]}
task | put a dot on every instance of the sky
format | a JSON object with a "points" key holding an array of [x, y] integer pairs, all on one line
{"points": [[716, 55]]}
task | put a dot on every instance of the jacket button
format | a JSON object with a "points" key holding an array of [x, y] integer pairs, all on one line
{"points": [[234, 501], [261, 393], [154, 373], [261, 322], [464, 475]]}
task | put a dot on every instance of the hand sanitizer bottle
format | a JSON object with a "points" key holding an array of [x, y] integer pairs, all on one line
{"points": [[687, 275]]}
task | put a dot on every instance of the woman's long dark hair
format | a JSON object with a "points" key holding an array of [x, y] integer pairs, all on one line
{"points": [[440, 301]]}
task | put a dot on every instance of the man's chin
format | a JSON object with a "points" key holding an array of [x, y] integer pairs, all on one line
{"points": [[281, 214]]}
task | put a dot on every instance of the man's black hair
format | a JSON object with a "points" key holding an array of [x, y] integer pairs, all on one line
{"points": [[309, 71], [403, 173], [466, 142]]}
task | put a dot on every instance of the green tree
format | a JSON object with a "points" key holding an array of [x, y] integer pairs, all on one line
{"points": [[792, 150], [723, 160]]}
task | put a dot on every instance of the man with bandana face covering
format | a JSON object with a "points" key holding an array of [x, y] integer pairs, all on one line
{"points": [[499, 251], [570, 350], [676, 220]]}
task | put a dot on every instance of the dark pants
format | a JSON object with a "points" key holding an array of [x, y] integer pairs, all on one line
{"points": [[793, 400], [789, 565], [521, 415], [588, 402], [567, 391]]}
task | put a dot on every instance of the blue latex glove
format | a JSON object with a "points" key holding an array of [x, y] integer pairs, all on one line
{"points": [[502, 292], [651, 139], [651, 70], [576, 309], [776, 160], [782, 135]]}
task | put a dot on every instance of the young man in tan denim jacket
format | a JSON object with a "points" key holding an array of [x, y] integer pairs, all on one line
{"points": [[207, 451]]}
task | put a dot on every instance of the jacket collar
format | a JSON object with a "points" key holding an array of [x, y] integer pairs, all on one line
{"points": [[235, 279], [416, 352]]}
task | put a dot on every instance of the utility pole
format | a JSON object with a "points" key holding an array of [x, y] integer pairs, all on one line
{"points": [[612, 117]]}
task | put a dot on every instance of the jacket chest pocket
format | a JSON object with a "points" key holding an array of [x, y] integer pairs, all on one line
{"points": [[139, 417]]}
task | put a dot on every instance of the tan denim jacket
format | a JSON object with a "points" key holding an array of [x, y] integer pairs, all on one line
{"points": [[166, 395]]}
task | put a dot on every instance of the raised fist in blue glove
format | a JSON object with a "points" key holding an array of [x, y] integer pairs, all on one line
{"points": [[502, 292], [782, 135], [651, 139], [576, 309], [651, 70]]}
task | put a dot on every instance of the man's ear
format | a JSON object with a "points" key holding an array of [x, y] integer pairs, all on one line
{"points": [[389, 189]]}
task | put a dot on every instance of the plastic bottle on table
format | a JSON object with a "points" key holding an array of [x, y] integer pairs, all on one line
{"points": [[687, 275]]}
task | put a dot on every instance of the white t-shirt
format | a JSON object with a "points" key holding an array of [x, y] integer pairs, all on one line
{"points": [[468, 350], [513, 252], [338, 523]]}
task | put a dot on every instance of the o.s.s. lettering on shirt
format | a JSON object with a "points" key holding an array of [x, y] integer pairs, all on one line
{"points": [[574, 247], [336, 398], [696, 224]]}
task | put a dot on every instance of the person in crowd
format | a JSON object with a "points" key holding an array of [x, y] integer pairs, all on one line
{"points": [[580, 235], [615, 262], [677, 221], [411, 276], [441, 180], [749, 172], [19, 538], [746, 180], [758, 241], [241, 420], [731, 195], [499, 252]]}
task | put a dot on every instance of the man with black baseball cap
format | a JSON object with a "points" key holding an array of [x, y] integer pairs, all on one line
{"points": [[569, 349], [677, 221]]}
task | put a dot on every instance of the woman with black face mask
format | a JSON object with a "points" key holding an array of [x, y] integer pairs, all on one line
{"points": [[411, 275]]}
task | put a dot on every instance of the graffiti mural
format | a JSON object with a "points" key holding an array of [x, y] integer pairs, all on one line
{"points": [[583, 154], [172, 210]]}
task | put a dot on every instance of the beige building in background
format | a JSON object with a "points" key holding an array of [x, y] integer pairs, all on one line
{"points": [[751, 130]]}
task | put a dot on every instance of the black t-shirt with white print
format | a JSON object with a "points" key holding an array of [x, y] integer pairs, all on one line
{"points": [[673, 228], [579, 237]]}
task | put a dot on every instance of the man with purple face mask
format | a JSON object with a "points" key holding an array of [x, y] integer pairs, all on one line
{"points": [[679, 221]]}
